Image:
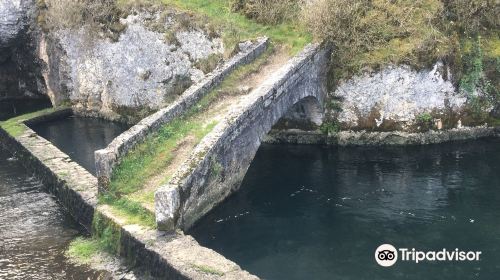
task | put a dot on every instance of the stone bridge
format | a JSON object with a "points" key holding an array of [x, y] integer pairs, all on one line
{"points": [[218, 164]]}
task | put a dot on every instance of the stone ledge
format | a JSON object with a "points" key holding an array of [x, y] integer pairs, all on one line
{"points": [[107, 158], [366, 138], [166, 256]]}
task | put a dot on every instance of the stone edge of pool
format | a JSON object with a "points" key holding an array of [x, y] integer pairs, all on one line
{"points": [[373, 138], [173, 256]]}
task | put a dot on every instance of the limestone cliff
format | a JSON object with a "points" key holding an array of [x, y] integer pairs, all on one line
{"points": [[399, 98], [19, 68], [124, 79]]}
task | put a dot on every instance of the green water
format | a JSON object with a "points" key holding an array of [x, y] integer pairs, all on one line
{"points": [[319, 213]]}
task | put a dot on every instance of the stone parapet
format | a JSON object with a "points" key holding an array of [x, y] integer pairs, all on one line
{"points": [[107, 158]]}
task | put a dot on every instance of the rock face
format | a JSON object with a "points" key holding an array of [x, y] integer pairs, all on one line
{"points": [[396, 97], [19, 68], [128, 78], [14, 18]]}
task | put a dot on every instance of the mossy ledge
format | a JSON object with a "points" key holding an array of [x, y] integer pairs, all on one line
{"points": [[166, 256]]}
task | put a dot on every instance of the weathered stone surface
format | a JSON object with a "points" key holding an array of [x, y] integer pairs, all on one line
{"points": [[107, 158], [395, 96], [141, 71], [219, 163], [74, 186], [20, 70], [15, 16], [366, 138], [165, 256]]}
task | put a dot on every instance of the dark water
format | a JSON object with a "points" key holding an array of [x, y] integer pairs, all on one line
{"points": [[80, 137], [320, 213], [10, 108], [34, 230]]}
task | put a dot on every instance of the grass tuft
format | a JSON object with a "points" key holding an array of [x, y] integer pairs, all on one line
{"points": [[133, 212], [15, 126], [235, 27], [208, 270], [148, 159], [83, 250]]}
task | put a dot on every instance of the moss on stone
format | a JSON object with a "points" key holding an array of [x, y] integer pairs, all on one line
{"points": [[82, 250], [208, 269], [16, 127], [131, 211], [107, 233]]}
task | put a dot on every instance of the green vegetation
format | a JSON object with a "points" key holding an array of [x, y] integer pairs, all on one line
{"points": [[474, 80], [208, 270], [208, 64], [83, 250], [373, 33], [329, 126], [215, 17], [15, 126], [106, 233], [235, 27], [424, 121], [154, 154], [268, 11], [132, 211], [152, 157], [370, 34], [100, 16], [216, 168], [424, 118], [105, 239]]}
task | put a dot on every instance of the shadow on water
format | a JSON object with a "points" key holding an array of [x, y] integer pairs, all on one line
{"points": [[307, 212], [80, 137], [15, 107]]}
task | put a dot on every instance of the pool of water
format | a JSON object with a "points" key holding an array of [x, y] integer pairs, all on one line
{"points": [[308, 212], [80, 137], [34, 230]]}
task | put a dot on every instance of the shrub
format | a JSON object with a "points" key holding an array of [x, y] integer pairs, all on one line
{"points": [[329, 127], [208, 64], [373, 33], [471, 16], [424, 120], [98, 15], [474, 84], [267, 11]]}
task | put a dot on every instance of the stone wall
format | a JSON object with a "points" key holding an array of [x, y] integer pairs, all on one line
{"points": [[164, 256], [365, 138], [218, 164], [107, 158]]}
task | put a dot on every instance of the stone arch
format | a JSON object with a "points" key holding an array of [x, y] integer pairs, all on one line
{"points": [[306, 114], [219, 163]]}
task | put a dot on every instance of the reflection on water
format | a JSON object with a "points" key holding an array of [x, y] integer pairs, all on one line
{"points": [[80, 137], [34, 229], [319, 213]]}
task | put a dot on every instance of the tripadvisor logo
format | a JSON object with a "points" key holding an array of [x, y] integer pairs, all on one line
{"points": [[387, 255]]}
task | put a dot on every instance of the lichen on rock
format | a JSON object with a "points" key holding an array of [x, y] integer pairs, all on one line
{"points": [[131, 77], [396, 96]]}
